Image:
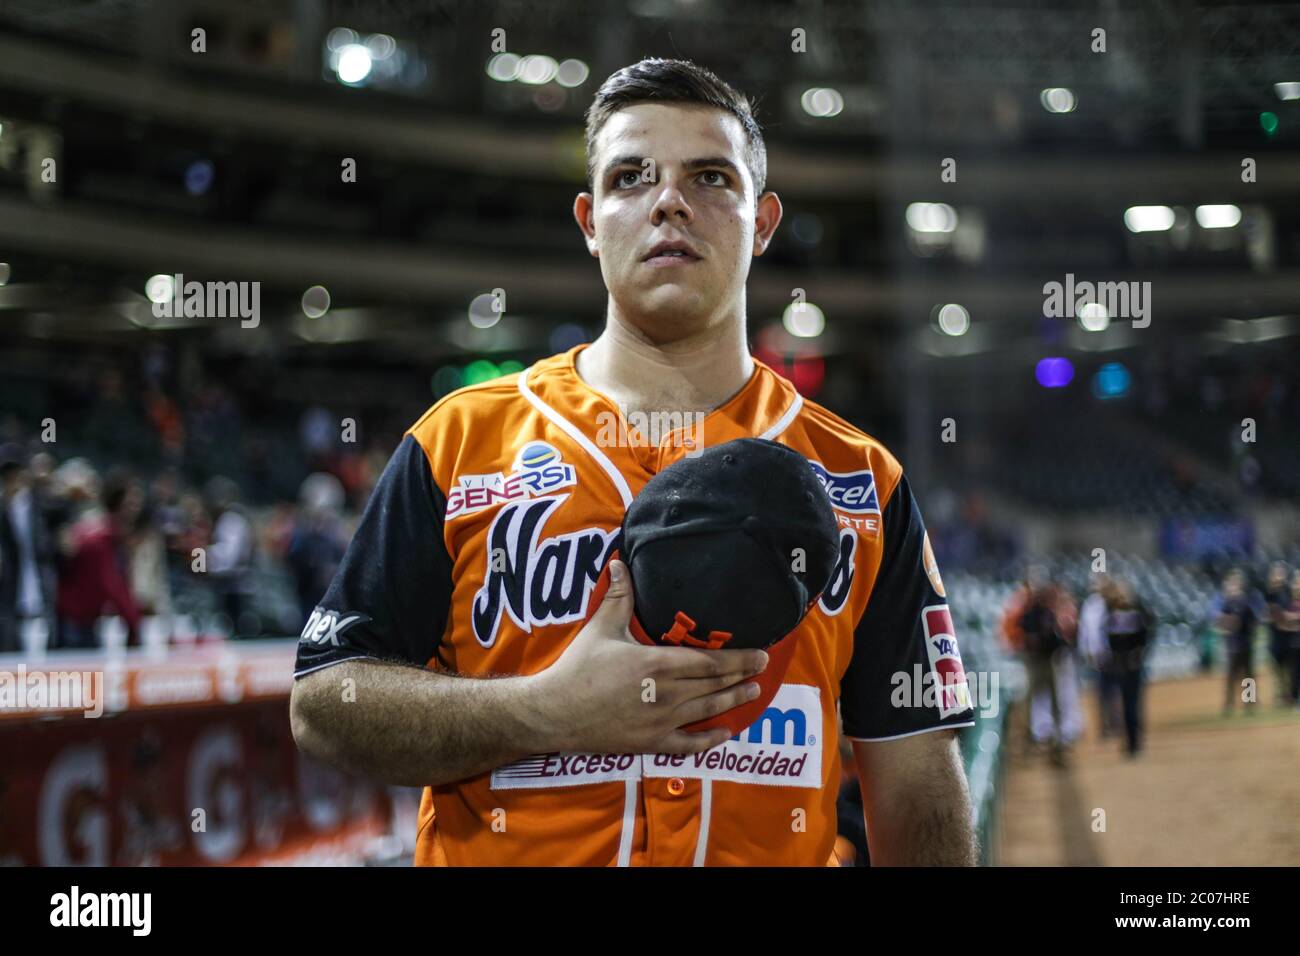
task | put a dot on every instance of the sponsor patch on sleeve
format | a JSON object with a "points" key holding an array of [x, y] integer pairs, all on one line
{"points": [[953, 694], [325, 627]]}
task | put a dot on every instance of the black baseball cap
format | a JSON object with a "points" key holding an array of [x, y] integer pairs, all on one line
{"points": [[729, 548]]}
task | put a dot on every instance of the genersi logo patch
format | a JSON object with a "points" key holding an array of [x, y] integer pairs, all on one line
{"points": [[953, 694], [782, 748], [537, 470]]}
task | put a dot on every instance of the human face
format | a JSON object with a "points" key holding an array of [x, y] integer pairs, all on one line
{"points": [[697, 192]]}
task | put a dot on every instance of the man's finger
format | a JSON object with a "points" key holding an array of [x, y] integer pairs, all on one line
{"points": [[711, 705], [616, 606], [681, 742], [689, 662]]}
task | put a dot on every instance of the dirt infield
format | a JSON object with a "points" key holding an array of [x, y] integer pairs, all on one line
{"points": [[1206, 791]]}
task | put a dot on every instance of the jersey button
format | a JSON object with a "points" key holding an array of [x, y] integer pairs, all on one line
{"points": [[676, 786]]}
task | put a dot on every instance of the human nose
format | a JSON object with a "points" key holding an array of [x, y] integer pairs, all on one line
{"points": [[671, 204]]}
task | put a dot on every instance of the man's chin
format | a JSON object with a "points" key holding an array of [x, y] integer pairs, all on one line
{"points": [[665, 318]]}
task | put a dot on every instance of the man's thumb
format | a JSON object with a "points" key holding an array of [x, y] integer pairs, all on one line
{"points": [[616, 607]]}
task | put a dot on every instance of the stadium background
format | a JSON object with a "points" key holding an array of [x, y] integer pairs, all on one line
{"points": [[1027, 438]]}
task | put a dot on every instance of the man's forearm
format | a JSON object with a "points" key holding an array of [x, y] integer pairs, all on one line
{"points": [[414, 727], [923, 833], [917, 802]]}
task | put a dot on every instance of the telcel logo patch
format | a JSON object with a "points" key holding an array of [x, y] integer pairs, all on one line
{"points": [[537, 470], [851, 491]]}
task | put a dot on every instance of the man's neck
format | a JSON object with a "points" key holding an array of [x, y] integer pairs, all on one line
{"points": [[694, 374]]}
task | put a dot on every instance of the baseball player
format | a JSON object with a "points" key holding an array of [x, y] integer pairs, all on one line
{"points": [[452, 651]]}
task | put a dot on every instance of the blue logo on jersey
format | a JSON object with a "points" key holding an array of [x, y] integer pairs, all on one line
{"points": [[535, 455], [853, 491], [776, 721]]}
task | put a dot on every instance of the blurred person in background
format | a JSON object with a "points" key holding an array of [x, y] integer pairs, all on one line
{"points": [[230, 556], [1277, 596], [319, 539], [27, 571], [1095, 651], [93, 573], [148, 561], [317, 434], [1235, 619], [1039, 624], [1128, 627], [1288, 623], [45, 490]]}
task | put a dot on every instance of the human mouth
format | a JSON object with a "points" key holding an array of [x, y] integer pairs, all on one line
{"points": [[671, 259], [673, 253]]}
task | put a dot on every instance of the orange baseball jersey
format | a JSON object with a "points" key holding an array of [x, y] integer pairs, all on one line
{"points": [[478, 552]]}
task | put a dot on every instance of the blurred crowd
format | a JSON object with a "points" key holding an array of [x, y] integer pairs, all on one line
{"points": [[83, 552], [1103, 641]]}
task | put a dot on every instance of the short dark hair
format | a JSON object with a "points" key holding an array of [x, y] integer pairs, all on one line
{"points": [[117, 483], [674, 81]]}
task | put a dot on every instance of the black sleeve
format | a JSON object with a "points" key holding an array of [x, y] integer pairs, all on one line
{"points": [[391, 594], [906, 674]]}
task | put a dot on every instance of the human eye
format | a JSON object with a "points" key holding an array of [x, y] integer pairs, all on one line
{"points": [[622, 182], [722, 179]]}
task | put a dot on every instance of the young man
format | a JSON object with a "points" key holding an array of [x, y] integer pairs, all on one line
{"points": [[456, 619]]}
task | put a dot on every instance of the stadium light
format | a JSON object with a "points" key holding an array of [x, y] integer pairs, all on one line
{"points": [[381, 46], [1054, 372], [572, 73], [480, 370], [159, 288], [483, 312], [340, 37], [1058, 99], [953, 319], [315, 302], [4, 273], [1093, 317], [1287, 91], [1218, 217], [446, 379], [1111, 381], [1149, 218], [199, 176], [931, 217], [822, 102], [504, 67], [536, 69], [354, 64], [804, 320]]}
